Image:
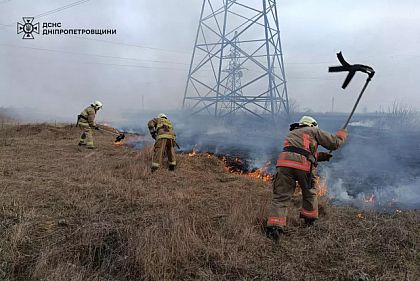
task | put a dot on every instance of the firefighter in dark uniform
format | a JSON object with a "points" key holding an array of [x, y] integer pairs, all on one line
{"points": [[296, 163]]}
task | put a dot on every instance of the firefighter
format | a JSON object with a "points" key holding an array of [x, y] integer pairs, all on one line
{"points": [[86, 122], [162, 131], [296, 163]]}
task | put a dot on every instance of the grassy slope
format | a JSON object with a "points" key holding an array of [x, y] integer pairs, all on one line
{"points": [[71, 214]]}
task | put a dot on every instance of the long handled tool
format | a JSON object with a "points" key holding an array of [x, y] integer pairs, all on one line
{"points": [[120, 136], [352, 69]]}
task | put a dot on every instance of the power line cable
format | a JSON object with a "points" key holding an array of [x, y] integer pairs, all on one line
{"points": [[61, 8], [136, 66], [131, 45], [94, 39], [93, 55], [177, 69], [131, 65], [53, 11]]}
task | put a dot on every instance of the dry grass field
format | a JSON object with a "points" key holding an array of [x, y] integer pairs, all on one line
{"points": [[68, 213]]}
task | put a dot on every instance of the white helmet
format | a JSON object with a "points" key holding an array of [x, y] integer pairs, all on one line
{"points": [[162, 115], [309, 121], [97, 104]]}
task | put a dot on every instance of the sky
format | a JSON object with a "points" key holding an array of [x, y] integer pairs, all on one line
{"points": [[145, 65]]}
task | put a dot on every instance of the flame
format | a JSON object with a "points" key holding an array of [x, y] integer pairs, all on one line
{"points": [[118, 143], [261, 173], [193, 153], [236, 165], [298, 189], [321, 186], [360, 216], [369, 199]]}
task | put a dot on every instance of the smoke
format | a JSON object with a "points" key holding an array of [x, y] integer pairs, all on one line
{"points": [[379, 165], [407, 193], [387, 197], [256, 141], [242, 135], [337, 191], [365, 123], [145, 66]]}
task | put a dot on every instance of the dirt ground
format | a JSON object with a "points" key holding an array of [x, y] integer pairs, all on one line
{"points": [[68, 213]]}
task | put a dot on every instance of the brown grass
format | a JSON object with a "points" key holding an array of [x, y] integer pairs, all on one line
{"points": [[72, 214]]}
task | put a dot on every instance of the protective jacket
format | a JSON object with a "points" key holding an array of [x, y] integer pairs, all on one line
{"points": [[88, 116], [308, 138], [161, 128]]}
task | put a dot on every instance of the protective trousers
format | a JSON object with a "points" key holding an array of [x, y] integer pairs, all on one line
{"points": [[161, 147], [87, 135], [284, 185]]}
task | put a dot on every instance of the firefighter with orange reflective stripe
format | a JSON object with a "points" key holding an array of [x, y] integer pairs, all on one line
{"points": [[162, 131], [296, 163]]}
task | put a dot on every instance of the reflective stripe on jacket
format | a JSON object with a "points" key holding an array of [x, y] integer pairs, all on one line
{"points": [[307, 138]]}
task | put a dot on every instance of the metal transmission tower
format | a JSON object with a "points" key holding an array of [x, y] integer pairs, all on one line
{"points": [[237, 62], [233, 85]]}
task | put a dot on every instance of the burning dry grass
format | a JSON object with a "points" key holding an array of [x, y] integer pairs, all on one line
{"points": [[236, 165], [72, 214]]}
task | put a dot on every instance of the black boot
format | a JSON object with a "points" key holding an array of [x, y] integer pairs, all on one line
{"points": [[274, 232], [171, 167], [308, 221], [154, 169]]}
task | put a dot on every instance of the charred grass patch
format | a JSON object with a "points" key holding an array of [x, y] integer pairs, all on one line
{"points": [[68, 213]]}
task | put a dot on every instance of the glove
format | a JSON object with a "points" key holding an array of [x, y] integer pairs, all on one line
{"points": [[342, 134], [324, 156], [152, 132]]}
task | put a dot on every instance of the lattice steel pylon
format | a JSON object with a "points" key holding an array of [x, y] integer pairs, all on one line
{"points": [[233, 85], [250, 30]]}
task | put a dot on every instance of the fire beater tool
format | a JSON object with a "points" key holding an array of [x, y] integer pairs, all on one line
{"points": [[352, 69], [120, 136]]}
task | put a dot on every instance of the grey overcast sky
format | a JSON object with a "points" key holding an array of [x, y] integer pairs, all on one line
{"points": [[149, 56]]}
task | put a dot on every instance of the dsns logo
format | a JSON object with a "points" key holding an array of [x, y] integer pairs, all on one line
{"points": [[27, 28]]}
